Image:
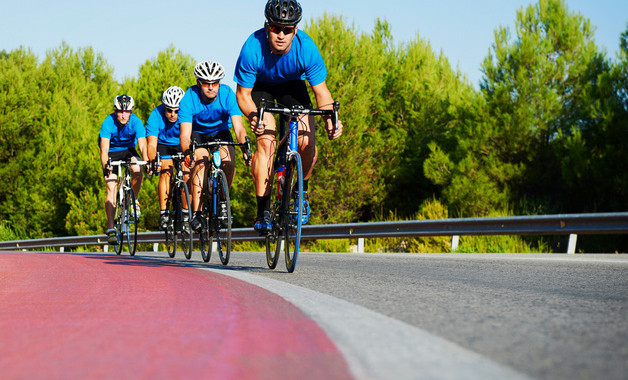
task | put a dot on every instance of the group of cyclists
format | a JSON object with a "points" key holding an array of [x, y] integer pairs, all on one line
{"points": [[273, 64]]}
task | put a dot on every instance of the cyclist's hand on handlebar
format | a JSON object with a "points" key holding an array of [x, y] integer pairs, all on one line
{"points": [[257, 127], [332, 132], [189, 161], [107, 170]]}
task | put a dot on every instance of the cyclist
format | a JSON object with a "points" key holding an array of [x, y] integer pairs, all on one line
{"points": [[207, 112], [162, 131], [273, 63], [119, 135]]}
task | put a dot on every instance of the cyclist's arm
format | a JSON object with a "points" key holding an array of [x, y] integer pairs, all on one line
{"points": [[141, 143], [324, 100], [248, 108], [104, 151], [152, 147], [184, 136], [240, 132]]}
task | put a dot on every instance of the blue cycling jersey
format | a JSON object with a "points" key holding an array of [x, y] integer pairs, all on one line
{"points": [[209, 118], [121, 138], [256, 63], [157, 125]]}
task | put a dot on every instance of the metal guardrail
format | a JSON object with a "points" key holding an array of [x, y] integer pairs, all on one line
{"points": [[561, 224]]}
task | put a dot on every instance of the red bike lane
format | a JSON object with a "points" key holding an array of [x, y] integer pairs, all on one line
{"points": [[98, 316]]}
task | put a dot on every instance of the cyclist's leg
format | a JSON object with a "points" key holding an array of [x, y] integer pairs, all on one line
{"points": [[262, 163], [227, 156], [111, 183], [136, 174], [164, 183], [199, 174]]}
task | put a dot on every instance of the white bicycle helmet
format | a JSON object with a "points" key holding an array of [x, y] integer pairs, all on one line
{"points": [[123, 103], [172, 97], [209, 71]]}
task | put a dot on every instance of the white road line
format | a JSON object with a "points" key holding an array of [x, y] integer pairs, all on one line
{"points": [[379, 347]]}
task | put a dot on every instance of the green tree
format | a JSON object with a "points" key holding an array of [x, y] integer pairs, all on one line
{"points": [[49, 142], [531, 127]]}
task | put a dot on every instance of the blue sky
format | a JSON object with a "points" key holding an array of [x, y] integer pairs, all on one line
{"points": [[130, 32]]}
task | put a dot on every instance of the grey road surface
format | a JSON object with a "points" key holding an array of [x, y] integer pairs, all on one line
{"points": [[540, 316]]}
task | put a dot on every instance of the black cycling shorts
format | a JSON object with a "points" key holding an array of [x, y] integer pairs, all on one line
{"points": [[123, 155], [286, 94]]}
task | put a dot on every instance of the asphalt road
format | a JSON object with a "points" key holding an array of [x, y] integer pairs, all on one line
{"points": [[543, 316]]}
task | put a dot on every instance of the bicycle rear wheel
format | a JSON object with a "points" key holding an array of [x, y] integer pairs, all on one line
{"points": [[291, 210], [183, 226], [130, 221], [171, 245], [221, 218]]}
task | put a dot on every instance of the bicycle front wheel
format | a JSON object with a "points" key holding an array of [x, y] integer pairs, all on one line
{"points": [[183, 226], [292, 210], [273, 242], [118, 224], [221, 218], [205, 236], [130, 221]]}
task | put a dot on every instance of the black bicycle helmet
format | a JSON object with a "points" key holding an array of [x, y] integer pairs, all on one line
{"points": [[283, 12]]}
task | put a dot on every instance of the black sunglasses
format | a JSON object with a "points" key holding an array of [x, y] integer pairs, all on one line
{"points": [[278, 29], [171, 110]]}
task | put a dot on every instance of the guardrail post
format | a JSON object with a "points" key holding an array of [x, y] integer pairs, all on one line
{"points": [[105, 248], [155, 247], [61, 249], [360, 245], [455, 241], [571, 248]]}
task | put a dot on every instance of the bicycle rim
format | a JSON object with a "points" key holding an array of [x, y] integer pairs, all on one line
{"points": [[130, 225], [186, 229], [292, 205], [222, 223]]}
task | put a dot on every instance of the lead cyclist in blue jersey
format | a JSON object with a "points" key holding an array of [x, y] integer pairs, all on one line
{"points": [[162, 131], [273, 64], [119, 134]]}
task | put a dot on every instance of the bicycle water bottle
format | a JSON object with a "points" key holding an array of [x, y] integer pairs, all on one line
{"points": [[216, 158], [280, 180]]}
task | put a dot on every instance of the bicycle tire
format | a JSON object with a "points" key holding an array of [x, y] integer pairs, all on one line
{"points": [[130, 221], [120, 210], [186, 229], [292, 208], [273, 249], [221, 226], [204, 235], [171, 246]]}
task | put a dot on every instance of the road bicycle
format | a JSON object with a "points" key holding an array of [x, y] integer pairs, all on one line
{"points": [[178, 228], [216, 204], [286, 206], [126, 218]]}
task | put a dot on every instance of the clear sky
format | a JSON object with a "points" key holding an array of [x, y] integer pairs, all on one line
{"points": [[130, 32]]}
